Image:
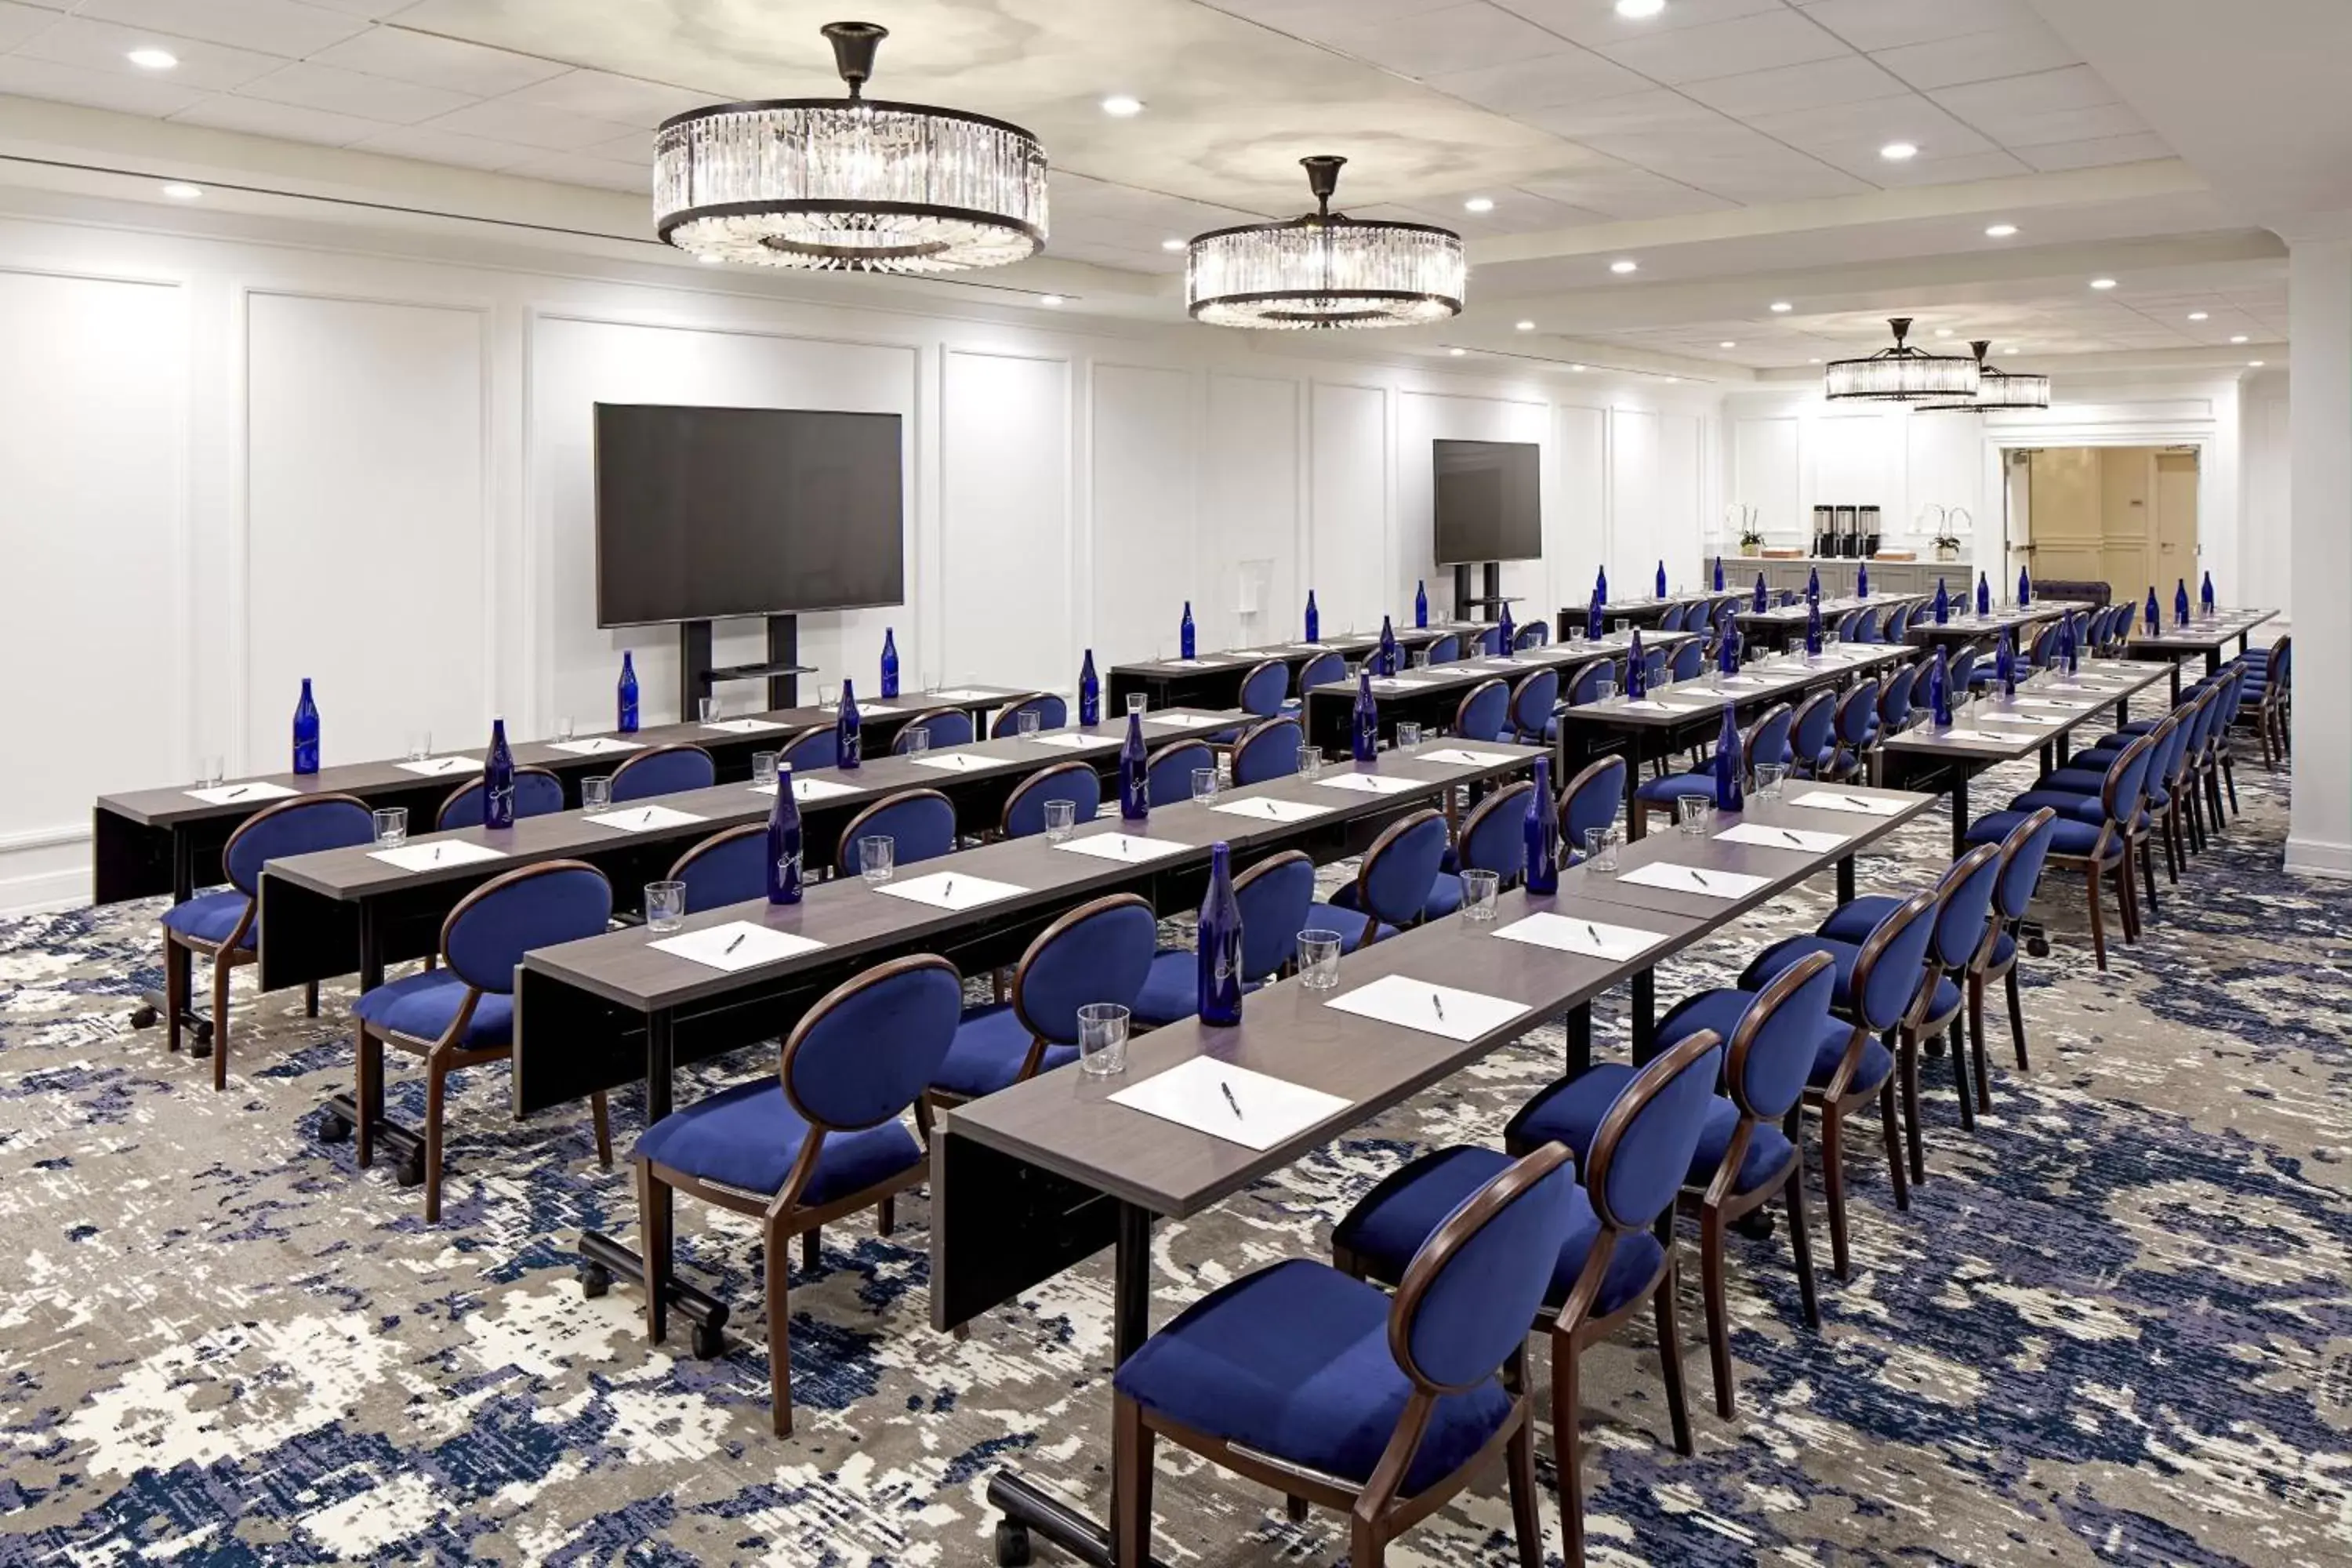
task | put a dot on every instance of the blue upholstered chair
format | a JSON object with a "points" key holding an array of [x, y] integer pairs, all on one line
{"points": [[536, 793], [1392, 883], [2022, 854], [1168, 775], [919, 823], [1672, 621], [1490, 642], [1590, 800], [1960, 670], [1323, 670], [1611, 1262], [2073, 789], [663, 770], [1765, 739], [1894, 710], [462, 1014], [823, 1139], [1024, 809], [1270, 750], [1051, 710], [1743, 1160], [1264, 687], [729, 868], [1897, 623], [1331, 1391], [2092, 833], [1849, 626], [942, 727], [1857, 728], [1494, 837], [1584, 685], [220, 925], [1866, 626], [2264, 701], [1444, 649], [1812, 736], [1483, 711], [1532, 701], [1687, 659], [1535, 634], [1275, 895], [1099, 952], [819, 746]]}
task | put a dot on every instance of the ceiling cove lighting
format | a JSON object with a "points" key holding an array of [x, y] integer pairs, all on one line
{"points": [[1325, 269], [1899, 152], [153, 60], [1996, 389], [180, 191], [1122, 106], [2001, 231], [1900, 375], [1639, 10], [849, 184]]}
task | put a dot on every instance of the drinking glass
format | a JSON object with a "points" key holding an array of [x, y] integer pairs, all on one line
{"points": [[1600, 850], [1102, 1038], [709, 707], [919, 739], [764, 768], [1479, 891], [825, 694], [1310, 761], [1025, 722], [1407, 735], [877, 859], [563, 728], [1061, 819], [209, 770], [392, 827], [666, 905], [1420, 659], [1137, 703], [420, 745], [1624, 628], [1204, 783], [1768, 779], [596, 793], [1604, 689], [1690, 812], [1318, 960]]}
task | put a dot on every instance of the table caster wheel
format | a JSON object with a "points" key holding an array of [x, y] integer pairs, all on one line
{"points": [[145, 1018], [595, 1279], [1755, 1224], [2038, 946], [710, 1343], [1011, 1545], [332, 1128], [200, 1040], [411, 1169]]}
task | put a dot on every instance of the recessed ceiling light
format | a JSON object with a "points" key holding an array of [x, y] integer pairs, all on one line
{"points": [[2103, 282], [1576, 367], [1171, 245], [1943, 331], [1638, 10], [1479, 204], [1780, 307], [1121, 105], [708, 258], [2239, 339], [1624, 265], [1815, 360], [1672, 379], [1527, 326], [2197, 315], [2253, 364], [1896, 151], [1457, 354], [153, 60], [183, 193], [1049, 299], [2001, 231], [1726, 343]]}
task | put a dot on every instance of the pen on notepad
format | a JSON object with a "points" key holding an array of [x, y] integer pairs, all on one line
{"points": [[1433, 1002], [1792, 838], [647, 818], [1699, 879], [1227, 1090], [234, 793], [1592, 931], [949, 891], [436, 852], [733, 945]]}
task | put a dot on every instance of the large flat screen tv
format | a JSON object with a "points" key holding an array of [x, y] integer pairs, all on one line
{"points": [[1487, 504], [708, 512]]}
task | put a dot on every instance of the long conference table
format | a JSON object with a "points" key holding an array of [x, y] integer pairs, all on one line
{"points": [[1214, 679], [1036, 1179], [1965, 626], [1778, 626], [2201, 637]]}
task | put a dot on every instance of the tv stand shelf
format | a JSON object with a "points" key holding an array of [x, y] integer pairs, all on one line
{"points": [[760, 671]]}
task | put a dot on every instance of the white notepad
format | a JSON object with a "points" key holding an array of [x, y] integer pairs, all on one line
{"points": [[873, 710], [440, 767], [1737, 680], [2018, 718], [238, 794], [1192, 663], [1262, 1112], [1065, 741], [965, 694], [1182, 721], [1132, 849], [1397, 683], [1671, 878], [645, 818], [1957, 733], [1274, 810], [1369, 783], [805, 789], [950, 890], [1460, 758], [597, 746], [949, 762], [1246, 653], [1431, 1008], [738, 945], [1809, 840], [1644, 705], [743, 727], [2053, 703], [433, 856], [1594, 938], [1830, 800]]}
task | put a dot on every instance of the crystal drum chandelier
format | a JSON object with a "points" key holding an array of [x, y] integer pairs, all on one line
{"points": [[1901, 375], [849, 184], [1996, 390], [1325, 269]]}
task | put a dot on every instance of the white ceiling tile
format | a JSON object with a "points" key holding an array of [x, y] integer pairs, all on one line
{"points": [[274, 26], [1657, 110], [450, 63], [1434, 43], [2035, 129], [253, 116], [1596, 22], [1732, 162], [1979, 57], [579, 169], [1991, 163], [310, 85], [504, 120], [18, 23], [97, 90], [369, 10], [1873, 25], [1573, 76], [1848, 133], [1303, 17], [2076, 86], [1627, 193], [430, 146], [106, 47], [2096, 152], [1782, 37], [1849, 78], [621, 99]]}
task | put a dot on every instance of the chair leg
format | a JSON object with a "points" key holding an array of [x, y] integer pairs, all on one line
{"points": [[602, 1116], [811, 1247], [2016, 1016], [220, 1019], [436, 1082], [1566, 1443], [1718, 1316], [1801, 1243], [2229, 779], [1977, 1040], [2098, 919], [2127, 897], [885, 1217], [1834, 1186], [177, 961], [1906, 1068], [780, 1327], [367, 1093], [1670, 1353], [1898, 1172], [1957, 1044], [1527, 1518], [1130, 1485], [2148, 874], [310, 998], [1366, 1546], [656, 1238]]}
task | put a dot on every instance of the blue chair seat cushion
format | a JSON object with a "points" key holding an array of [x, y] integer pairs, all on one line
{"points": [[989, 1046], [1293, 1361], [2069, 836], [1843, 956], [1171, 988], [749, 1136], [1342, 916], [210, 918], [1665, 791], [1394, 1218], [2085, 809], [1571, 1110], [423, 1006], [1444, 897]]}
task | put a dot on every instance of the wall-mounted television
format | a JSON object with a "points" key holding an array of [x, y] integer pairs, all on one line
{"points": [[1487, 508], [703, 513]]}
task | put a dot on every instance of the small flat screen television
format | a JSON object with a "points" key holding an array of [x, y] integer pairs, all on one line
{"points": [[709, 512], [1487, 503]]}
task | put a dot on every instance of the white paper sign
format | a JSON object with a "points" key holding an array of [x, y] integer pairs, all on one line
{"points": [[1063, 739], [1431, 1008], [1770, 837], [1231, 1102], [1459, 758], [1126, 847], [238, 794], [1369, 783], [596, 746], [965, 694], [738, 945], [1673, 879], [433, 856], [440, 767], [1274, 810], [949, 762], [1594, 938], [645, 818], [950, 890], [807, 789], [1182, 721], [1831, 800], [743, 727]]}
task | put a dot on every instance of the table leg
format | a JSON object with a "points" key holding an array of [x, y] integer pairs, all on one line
{"points": [[2176, 682], [1578, 1024], [2213, 660], [1633, 813], [156, 1003], [1959, 831], [1846, 880], [661, 1058], [1645, 1015], [342, 1111]]}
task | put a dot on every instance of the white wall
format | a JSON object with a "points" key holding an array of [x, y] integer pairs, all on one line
{"points": [[229, 462]]}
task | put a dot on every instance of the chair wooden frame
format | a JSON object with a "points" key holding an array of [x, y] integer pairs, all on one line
{"points": [[856, 826], [1005, 721], [2272, 708], [639, 759], [1044, 939], [1518, 793], [1638, 827], [1824, 698], [2111, 855]]}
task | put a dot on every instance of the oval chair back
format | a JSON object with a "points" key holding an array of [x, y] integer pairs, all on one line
{"points": [[1591, 799], [729, 868], [1640, 1153], [1856, 709], [1323, 670], [868, 1048], [1812, 733], [919, 823], [1462, 1311], [1532, 701], [1767, 739], [2045, 647], [818, 746], [1051, 710], [1446, 649], [1687, 658], [1493, 835], [2022, 854], [2125, 792], [1848, 624], [1024, 809], [1958, 669], [1894, 698], [1898, 622], [1672, 621], [1394, 879], [1770, 1055], [1264, 687], [1886, 972], [296, 826], [1535, 634], [536, 793], [486, 936], [2127, 612], [1098, 953], [1482, 712], [1274, 895], [1490, 641], [1266, 751], [1654, 659], [1964, 907], [1585, 684], [663, 770], [1168, 775], [1866, 625], [945, 726]]}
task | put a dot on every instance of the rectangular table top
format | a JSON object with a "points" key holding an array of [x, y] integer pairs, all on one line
{"points": [[2107, 682], [1463, 674], [2004, 617], [1795, 615], [1688, 702], [2202, 635], [1240, 661]]}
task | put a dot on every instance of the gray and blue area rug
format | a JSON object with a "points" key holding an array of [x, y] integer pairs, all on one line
{"points": [[2116, 1328]]}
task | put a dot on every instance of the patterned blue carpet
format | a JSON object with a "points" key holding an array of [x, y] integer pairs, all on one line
{"points": [[2116, 1328]]}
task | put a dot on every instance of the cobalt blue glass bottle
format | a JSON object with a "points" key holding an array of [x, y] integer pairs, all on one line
{"points": [[1184, 630], [1543, 833], [1727, 650], [498, 779], [628, 725], [1314, 621], [1862, 581], [890, 663], [1984, 595], [1760, 595], [785, 841], [1390, 657], [1134, 772], [1812, 584], [1365, 740], [1218, 943], [2004, 665], [1600, 584], [2205, 593], [1943, 604], [1939, 690], [1718, 573], [1814, 628], [1505, 635], [1730, 781], [1090, 692], [2180, 602], [2024, 588], [1662, 580], [1420, 604], [2067, 659], [305, 731], [1637, 668], [2155, 621], [1593, 618], [848, 737]]}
